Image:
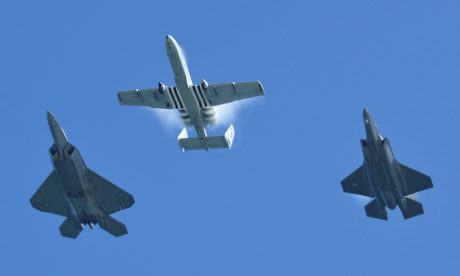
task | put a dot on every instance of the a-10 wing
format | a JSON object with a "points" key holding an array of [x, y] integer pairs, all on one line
{"points": [[146, 97], [169, 97], [222, 93]]}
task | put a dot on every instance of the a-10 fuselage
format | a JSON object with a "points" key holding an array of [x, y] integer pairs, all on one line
{"points": [[195, 110]]}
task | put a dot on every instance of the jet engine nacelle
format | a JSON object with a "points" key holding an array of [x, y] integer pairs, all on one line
{"points": [[204, 84], [161, 87]]}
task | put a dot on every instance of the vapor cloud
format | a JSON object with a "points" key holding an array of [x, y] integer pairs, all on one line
{"points": [[225, 115]]}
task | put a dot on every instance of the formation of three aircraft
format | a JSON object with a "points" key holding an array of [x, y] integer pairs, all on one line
{"points": [[85, 198]]}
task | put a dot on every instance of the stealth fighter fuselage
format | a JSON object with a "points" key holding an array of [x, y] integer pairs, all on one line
{"points": [[381, 176], [76, 192]]}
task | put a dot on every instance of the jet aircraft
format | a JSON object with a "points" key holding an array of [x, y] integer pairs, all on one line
{"points": [[195, 103], [74, 191], [383, 178]]}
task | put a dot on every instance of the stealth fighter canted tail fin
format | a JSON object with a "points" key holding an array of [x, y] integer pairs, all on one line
{"points": [[112, 226], [374, 210], [70, 228], [410, 207], [212, 142]]}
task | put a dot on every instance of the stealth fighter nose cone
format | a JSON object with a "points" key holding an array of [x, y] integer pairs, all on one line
{"points": [[60, 139], [51, 119], [366, 115]]}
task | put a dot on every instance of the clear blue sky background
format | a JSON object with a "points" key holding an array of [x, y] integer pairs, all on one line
{"points": [[273, 204]]}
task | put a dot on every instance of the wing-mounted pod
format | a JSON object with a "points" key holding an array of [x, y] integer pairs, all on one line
{"points": [[162, 87], [209, 114], [204, 84]]}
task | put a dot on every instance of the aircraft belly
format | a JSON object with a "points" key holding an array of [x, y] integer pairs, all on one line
{"points": [[69, 178], [193, 110], [189, 101], [380, 181], [180, 68]]}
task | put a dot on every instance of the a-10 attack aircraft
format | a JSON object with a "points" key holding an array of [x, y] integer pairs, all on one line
{"points": [[76, 192], [194, 102], [382, 177]]}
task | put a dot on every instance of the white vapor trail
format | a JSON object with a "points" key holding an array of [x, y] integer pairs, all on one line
{"points": [[226, 114], [362, 200], [169, 119]]}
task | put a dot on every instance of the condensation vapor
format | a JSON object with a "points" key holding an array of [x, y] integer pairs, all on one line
{"points": [[364, 199], [169, 119], [226, 114], [361, 200]]}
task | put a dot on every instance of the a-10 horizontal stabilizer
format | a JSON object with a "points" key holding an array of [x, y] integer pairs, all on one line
{"points": [[373, 210], [70, 228], [412, 208], [212, 142]]}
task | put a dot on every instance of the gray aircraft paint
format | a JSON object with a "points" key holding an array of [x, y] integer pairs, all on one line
{"points": [[194, 102], [382, 177], [76, 192]]}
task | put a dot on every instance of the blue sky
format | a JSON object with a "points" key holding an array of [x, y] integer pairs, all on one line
{"points": [[273, 204]]}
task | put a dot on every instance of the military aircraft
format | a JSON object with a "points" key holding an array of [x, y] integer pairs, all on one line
{"points": [[74, 191], [194, 102], [382, 177]]}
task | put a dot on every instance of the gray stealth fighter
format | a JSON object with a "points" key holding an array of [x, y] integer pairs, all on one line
{"points": [[382, 177], [76, 192], [194, 102]]}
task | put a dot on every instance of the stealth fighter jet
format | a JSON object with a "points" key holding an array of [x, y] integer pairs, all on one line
{"points": [[382, 177], [195, 103], [74, 191]]}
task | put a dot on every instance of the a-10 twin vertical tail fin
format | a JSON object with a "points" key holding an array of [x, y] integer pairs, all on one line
{"points": [[212, 142]]}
